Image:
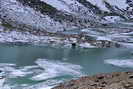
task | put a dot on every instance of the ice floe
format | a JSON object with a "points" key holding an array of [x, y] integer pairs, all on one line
{"points": [[124, 63], [44, 70], [53, 69]]}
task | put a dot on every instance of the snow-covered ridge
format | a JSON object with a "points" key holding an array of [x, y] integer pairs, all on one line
{"points": [[15, 12], [68, 13]]}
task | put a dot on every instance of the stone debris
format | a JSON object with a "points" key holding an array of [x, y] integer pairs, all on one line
{"points": [[121, 80]]}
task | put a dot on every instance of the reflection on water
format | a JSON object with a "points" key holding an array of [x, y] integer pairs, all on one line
{"points": [[37, 67]]}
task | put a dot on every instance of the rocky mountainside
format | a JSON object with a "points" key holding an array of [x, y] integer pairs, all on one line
{"points": [[100, 19], [63, 14], [122, 80]]}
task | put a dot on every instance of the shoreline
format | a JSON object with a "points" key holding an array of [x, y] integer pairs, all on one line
{"points": [[115, 80], [37, 37]]}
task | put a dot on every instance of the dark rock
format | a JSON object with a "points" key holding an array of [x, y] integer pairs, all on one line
{"points": [[73, 45], [100, 77], [131, 76]]}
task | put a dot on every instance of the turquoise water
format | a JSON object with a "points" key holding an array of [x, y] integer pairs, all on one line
{"points": [[42, 67]]}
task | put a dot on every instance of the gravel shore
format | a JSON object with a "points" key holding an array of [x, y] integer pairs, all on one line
{"points": [[121, 80]]}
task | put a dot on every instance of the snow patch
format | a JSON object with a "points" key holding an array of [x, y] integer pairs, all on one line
{"points": [[86, 45], [57, 4], [119, 3], [98, 3]]}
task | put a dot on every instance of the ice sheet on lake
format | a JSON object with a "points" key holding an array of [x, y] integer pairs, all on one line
{"points": [[54, 69], [44, 85], [45, 69], [2, 82], [12, 71], [125, 63]]}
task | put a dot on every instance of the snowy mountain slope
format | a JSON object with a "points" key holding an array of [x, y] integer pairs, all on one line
{"points": [[119, 3], [41, 15], [60, 15], [105, 21], [16, 14]]}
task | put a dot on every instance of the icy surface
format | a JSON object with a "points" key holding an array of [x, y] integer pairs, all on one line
{"points": [[126, 63], [57, 69], [44, 69]]}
